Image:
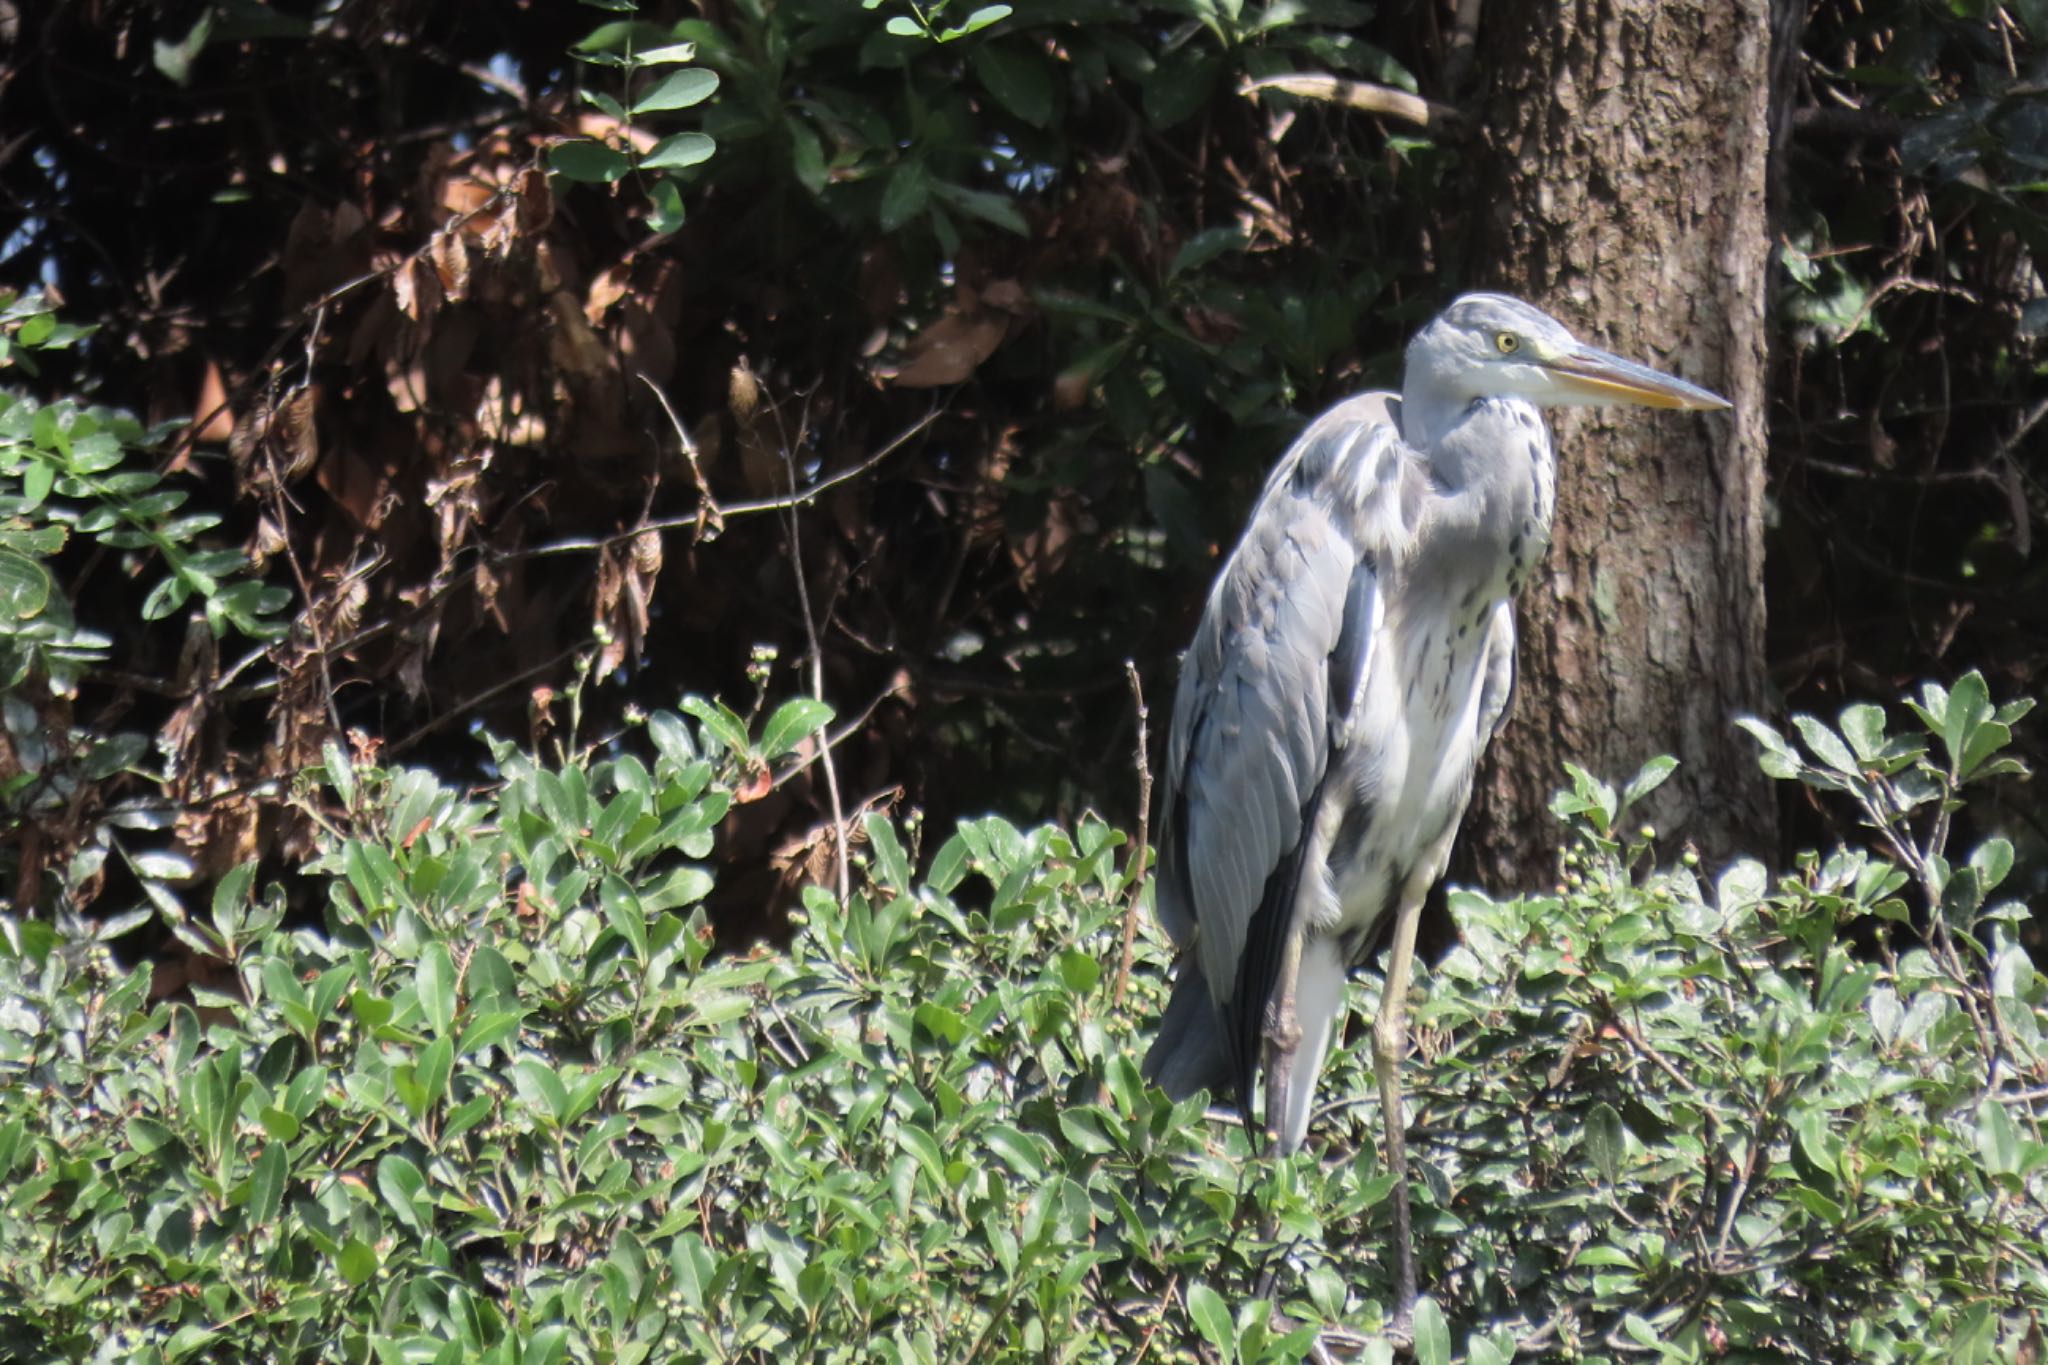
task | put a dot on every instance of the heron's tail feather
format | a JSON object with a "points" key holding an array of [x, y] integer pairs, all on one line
{"points": [[1190, 1054]]}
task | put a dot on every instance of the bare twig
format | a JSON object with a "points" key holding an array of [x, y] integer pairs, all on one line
{"points": [[1360, 95], [1139, 854], [709, 513], [470, 703], [815, 657], [1636, 1041], [897, 686], [811, 491]]}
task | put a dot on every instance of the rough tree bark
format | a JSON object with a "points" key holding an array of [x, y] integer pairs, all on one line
{"points": [[1628, 147]]}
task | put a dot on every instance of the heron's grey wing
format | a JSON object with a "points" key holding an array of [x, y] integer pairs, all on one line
{"points": [[1262, 691]]}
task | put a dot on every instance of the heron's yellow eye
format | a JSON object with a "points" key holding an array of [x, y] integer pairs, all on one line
{"points": [[1508, 342]]}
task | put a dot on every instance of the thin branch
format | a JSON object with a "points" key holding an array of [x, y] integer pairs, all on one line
{"points": [[1139, 854], [470, 703], [1360, 95], [708, 512], [815, 655], [897, 686], [810, 492], [1636, 1041]]}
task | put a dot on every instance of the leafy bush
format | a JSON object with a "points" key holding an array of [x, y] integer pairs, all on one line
{"points": [[504, 1104], [70, 474]]}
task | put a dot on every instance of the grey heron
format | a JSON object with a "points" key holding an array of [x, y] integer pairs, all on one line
{"points": [[1356, 655]]}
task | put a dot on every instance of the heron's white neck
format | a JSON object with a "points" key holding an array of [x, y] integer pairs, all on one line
{"points": [[1428, 410]]}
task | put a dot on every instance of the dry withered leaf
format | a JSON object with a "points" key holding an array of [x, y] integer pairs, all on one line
{"points": [[647, 344], [536, 202], [488, 585], [757, 783], [1070, 387], [647, 555], [952, 348], [571, 344], [276, 446], [606, 288], [450, 255], [417, 289], [322, 248], [1040, 553], [359, 488], [213, 420]]}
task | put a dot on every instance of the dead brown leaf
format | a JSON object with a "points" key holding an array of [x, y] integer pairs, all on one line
{"points": [[951, 349], [213, 420], [450, 255], [276, 445], [606, 289]]}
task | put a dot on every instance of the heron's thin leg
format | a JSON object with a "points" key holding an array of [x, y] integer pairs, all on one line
{"points": [[1282, 1033], [1389, 1043], [1283, 1042]]}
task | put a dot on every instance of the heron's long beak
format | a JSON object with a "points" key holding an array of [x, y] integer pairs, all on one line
{"points": [[1589, 376]]}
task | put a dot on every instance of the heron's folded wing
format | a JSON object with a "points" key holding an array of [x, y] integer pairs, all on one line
{"points": [[1263, 688]]}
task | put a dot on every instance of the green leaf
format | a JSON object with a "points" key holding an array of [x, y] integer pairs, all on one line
{"points": [[1212, 1319], [357, 1261], [488, 1030], [589, 162], [678, 90], [892, 865], [679, 151], [624, 913], [719, 723], [664, 206], [998, 209], [1993, 860], [1606, 1140], [667, 56], [1082, 1127], [1778, 758], [1019, 79], [1480, 1351], [25, 587], [1179, 85], [401, 1184], [266, 1184], [1079, 972], [1432, 1334], [976, 22], [1827, 746], [547, 1346], [1205, 247], [1998, 1138], [538, 1084], [794, 719], [904, 196], [1863, 726], [434, 983], [1969, 707], [436, 1064], [1648, 779], [341, 774]]}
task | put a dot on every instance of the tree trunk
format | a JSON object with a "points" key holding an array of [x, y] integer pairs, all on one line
{"points": [[1629, 149]]}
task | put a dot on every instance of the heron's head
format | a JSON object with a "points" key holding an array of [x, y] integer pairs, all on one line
{"points": [[1487, 345]]}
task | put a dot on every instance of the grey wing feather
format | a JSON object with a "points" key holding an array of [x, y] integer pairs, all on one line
{"points": [[1271, 681]]}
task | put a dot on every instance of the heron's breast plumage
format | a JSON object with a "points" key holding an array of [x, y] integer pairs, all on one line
{"points": [[1426, 710]]}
